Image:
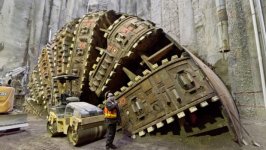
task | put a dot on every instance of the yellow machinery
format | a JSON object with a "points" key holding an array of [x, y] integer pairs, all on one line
{"points": [[80, 121], [6, 99], [10, 118]]}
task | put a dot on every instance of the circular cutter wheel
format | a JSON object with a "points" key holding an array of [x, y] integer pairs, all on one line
{"points": [[72, 136], [52, 129]]}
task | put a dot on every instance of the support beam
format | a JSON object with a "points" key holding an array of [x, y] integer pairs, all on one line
{"points": [[161, 53], [130, 74]]}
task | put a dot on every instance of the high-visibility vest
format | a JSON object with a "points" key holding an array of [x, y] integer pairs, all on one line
{"points": [[109, 114]]}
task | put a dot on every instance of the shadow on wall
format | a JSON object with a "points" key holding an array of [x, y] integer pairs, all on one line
{"points": [[2, 46], [221, 69]]}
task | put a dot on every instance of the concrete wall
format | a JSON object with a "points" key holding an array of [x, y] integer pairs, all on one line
{"points": [[25, 26]]}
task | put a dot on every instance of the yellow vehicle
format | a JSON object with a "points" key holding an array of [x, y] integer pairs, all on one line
{"points": [[80, 121], [10, 118]]}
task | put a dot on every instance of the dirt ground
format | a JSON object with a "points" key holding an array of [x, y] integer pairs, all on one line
{"points": [[35, 138]]}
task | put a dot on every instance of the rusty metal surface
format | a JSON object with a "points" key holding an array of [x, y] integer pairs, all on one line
{"points": [[224, 94], [160, 93], [154, 79]]}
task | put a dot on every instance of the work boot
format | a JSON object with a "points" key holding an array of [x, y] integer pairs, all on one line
{"points": [[113, 146]]}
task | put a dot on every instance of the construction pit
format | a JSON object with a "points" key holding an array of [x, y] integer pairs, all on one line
{"points": [[169, 99]]}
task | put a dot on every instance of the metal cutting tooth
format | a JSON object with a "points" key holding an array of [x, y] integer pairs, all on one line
{"points": [[164, 61], [86, 64], [181, 115], [135, 45], [82, 79], [107, 81], [101, 52], [123, 17], [150, 129], [193, 109], [65, 55], [96, 83], [110, 27], [170, 120], [117, 93], [116, 65], [215, 98], [203, 104], [123, 88], [141, 38], [142, 133], [129, 53], [148, 33], [89, 49], [73, 39], [93, 88], [154, 66], [87, 56], [116, 21], [159, 125], [98, 59], [133, 136], [94, 66], [49, 57], [146, 72], [72, 46], [130, 83], [174, 57], [112, 73], [105, 35], [90, 41], [137, 78], [104, 87]]}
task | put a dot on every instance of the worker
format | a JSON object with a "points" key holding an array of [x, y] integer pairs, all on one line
{"points": [[112, 118]]}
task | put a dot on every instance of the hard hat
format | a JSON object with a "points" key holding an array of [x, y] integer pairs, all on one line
{"points": [[110, 95]]}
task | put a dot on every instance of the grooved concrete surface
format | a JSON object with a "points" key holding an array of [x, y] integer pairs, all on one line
{"points": [[36, 138]]}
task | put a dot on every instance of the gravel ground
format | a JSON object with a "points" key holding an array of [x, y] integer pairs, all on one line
{"points": [[35, 137]]}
